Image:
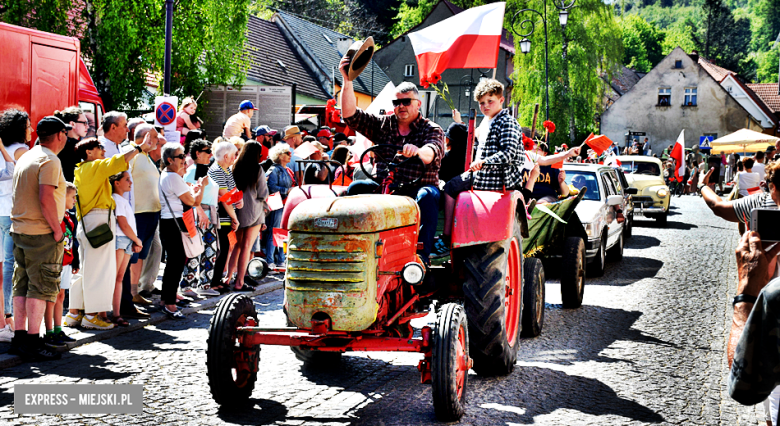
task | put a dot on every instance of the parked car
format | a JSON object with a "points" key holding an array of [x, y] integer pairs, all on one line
{"points": [[628, 202], [646, 175], [600, 211]]}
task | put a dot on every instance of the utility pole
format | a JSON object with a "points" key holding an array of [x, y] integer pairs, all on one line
{"points": [[168, 42]]}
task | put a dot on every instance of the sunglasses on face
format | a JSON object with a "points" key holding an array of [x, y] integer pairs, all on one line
{"points": [[404, 102], [101, 147], [180, 156], [207, 150]]}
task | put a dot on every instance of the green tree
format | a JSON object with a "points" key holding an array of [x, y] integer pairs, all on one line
{"points": [[767, 24], [641, 42], [595, 48], [768, 65], [408, 16], [50, 15], [124, 42], [721, 37], [677, 35]]}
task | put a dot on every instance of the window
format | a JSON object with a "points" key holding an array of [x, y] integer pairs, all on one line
{"points": [[664, 96], [690, 96], [678, 64], [580, 180], [409, 70]]}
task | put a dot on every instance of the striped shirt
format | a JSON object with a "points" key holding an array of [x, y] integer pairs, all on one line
{"points": [[224, 180], [744, 206]]}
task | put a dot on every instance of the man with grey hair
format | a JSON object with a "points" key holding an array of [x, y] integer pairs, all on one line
{"points": [[415, 136], [131, 125]]}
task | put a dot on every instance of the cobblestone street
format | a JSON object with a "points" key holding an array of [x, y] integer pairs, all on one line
{"points": [[647, 347]]}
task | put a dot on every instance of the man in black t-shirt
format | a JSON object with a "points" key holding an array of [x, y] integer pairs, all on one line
{"points": [[551, 182]]}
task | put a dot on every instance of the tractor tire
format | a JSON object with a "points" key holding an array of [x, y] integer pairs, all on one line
{"points": [[533, 297], [315, 359], [229, 385], [616, 252], [450, 363], [573, 272], [494, 303], [628, 230], [597, 265]]}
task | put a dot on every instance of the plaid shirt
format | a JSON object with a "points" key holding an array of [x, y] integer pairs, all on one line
{"points": [[502, 146], [384, 130]]}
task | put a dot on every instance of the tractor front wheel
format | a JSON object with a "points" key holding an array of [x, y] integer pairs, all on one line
{"points": [[533, 297], [450, 363], [230, 367], [493, 291]]}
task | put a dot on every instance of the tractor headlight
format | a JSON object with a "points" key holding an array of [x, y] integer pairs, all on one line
{"points": [[413, 273], [663, 192]]}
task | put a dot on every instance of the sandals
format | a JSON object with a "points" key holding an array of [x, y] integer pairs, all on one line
{"points": [[120, 321], [245, 287]]}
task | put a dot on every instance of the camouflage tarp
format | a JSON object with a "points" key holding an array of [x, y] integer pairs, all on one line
{"points": [[544, 230]]}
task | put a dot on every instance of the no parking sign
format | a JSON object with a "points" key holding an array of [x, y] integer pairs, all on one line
{"points": [[165, 112]]}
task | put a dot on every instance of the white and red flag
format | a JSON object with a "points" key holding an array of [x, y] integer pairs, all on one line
{"points": [[678, 154], [469, 39]]}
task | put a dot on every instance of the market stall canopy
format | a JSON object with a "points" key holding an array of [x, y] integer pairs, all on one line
{"points": [[743, 140]]}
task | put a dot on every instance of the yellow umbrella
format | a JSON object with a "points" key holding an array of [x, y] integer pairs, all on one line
{"points": [[741, 140]]}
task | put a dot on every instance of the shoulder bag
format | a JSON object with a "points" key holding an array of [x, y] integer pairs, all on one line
{"points": [[102, 234], [193, 246]]}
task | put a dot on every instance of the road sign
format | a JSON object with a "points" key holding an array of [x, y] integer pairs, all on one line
{"points": [[165, 112], [705, 141]]}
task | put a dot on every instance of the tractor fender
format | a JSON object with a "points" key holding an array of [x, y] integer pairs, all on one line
{"points": [[483, 217], [300, 193]]}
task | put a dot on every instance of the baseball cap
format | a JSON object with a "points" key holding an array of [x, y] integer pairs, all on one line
{"points": [[264, 130], [339, 137], [246, 105], [324, 133], [51, 125]]}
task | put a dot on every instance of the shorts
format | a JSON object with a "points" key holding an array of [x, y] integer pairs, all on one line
{"points": [[124, 243], [146, 224], [38, 266], [458, 184]]}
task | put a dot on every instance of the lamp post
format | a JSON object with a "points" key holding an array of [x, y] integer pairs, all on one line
{"points": [[527, 28], [470, 82]]}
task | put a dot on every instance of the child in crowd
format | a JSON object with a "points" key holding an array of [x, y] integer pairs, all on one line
{"points": [[127, 241], [55, 337]]}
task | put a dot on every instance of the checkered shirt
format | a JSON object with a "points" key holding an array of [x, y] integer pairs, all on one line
{"points": [[502, 146], [384, 130]]}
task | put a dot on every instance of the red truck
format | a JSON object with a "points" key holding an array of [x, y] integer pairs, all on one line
{"points": [[42, 72]]}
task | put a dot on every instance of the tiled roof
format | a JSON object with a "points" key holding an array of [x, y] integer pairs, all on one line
{"points": [[268, 49], [323, 44], [718, 73], [768, 93], [624, 80], [507, 42]]}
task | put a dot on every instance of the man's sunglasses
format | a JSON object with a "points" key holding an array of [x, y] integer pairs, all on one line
{"points": [[404, 102]]}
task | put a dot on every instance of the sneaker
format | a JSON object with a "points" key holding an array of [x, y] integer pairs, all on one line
{"points": [[96, 323], [52, 340], [64, 337], [189, 292], [440, 249], [38, 353], [272, 268], [71, 321], [146, 294], [175, 315], [140, 300], [6, 334], [206, 291]]}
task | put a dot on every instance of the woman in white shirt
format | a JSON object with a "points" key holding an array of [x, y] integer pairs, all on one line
{"points": [[177, 197], [747, 179]]}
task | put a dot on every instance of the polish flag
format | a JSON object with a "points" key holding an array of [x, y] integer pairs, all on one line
{"points": [[469, 39], [678, 154]]}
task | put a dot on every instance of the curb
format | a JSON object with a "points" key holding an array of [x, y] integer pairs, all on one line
{"points": [[88, 336]]}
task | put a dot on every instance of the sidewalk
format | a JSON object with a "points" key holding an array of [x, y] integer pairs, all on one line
{"points": [[82, 336]]}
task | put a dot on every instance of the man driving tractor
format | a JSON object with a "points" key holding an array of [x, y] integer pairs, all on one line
{"points": [[414, 136]]}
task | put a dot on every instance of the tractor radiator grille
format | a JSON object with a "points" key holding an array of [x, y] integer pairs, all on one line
{"points": [[330, 262]]}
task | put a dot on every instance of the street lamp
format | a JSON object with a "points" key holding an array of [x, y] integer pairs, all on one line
{"points": [[527, 28], [470, 82]]}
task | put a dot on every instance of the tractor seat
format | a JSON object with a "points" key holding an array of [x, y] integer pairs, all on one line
{"points": [[298, 194]]}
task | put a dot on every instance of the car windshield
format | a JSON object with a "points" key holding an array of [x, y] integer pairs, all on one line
{"points": [[580, 180], [641, 168]]}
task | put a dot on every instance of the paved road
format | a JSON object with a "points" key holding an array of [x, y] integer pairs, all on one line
{"points": [[647, 347]]}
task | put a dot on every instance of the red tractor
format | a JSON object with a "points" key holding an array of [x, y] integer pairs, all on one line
{"points": [[354, 282]]}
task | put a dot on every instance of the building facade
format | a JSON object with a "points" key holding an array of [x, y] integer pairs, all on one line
{"points": [[678, 93]]}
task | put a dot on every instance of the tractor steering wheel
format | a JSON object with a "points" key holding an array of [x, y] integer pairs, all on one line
{"points": [[391, 166]]}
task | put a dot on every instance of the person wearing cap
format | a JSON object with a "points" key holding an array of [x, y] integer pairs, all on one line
{"points": [[325, 137], [38, 207], [265, 135], [338, 139], [239, 124], [291, 135]]}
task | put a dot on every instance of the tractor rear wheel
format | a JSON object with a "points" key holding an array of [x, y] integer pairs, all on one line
{"points": [[493, 291], [573, 272], [533, 297], [450, 363], [231, 368]]}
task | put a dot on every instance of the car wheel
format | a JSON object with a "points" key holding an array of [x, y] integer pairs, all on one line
{"points": [[616, 252], [628, 228], [596, 268]]}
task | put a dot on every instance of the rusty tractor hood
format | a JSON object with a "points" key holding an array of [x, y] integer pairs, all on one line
{"points": [[354, 215]]}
